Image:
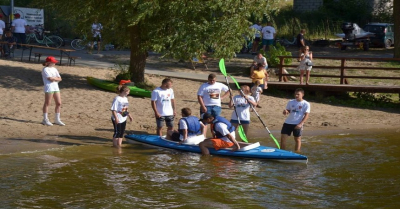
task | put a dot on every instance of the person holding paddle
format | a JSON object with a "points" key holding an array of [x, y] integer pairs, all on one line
{"points": [[223, 133], [298, 110], [242, 103]]}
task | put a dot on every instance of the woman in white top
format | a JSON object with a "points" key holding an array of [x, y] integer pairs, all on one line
{"points": [[51, 77], [242, 103], [305, 64]]}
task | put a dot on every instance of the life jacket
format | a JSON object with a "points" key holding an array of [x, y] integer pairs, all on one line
{"points": [[193, 125], [219, 119]]}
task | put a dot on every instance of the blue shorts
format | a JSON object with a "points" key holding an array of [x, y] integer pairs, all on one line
{"points": [[268, 42], [241, 122], [169, 120], [213, 110], [289, 128]]}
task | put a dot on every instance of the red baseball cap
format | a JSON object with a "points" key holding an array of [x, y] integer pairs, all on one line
{"points": [[51, 59], [122, 82], [17, 15]]}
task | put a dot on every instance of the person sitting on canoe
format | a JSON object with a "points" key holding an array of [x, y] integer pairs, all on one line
{"points": [[223, 134], [189, 127]]}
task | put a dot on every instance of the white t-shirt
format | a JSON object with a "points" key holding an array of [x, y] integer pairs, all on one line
{"points": [[297, 111], [242, 108], [19, 25], [50, 86], [120, 105], [268, 32], [255, 92], [96, 28], [257, 30], [263, 60], [223, 129], [211, 93], [2, 26], [163, 98]]}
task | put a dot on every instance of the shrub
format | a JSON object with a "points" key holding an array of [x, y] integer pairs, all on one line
{"points": [[274, 52]]}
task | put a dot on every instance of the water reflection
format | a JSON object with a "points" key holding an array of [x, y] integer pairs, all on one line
{"points": [[345, 171]]}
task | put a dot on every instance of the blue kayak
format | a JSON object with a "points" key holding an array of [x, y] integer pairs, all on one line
{"points": [[254, 150]]}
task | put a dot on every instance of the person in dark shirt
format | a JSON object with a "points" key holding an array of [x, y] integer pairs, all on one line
{"points": [[8, 43], [300, 41]]}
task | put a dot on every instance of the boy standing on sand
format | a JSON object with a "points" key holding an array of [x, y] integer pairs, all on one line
{"points": [[298, 110], [163, 104]]}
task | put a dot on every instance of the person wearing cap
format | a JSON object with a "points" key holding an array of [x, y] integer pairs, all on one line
{"points": [[223, 133], [2, 26], [119, 113], [189, 127], [209, 95], [19, 28], [51, 78], [163, 104]]}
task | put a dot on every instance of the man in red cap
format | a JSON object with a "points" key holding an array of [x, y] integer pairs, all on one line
{"points": [[18, 28], [2, 26]]}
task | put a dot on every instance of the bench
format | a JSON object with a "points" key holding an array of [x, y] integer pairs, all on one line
{"points": [[70, 58]]}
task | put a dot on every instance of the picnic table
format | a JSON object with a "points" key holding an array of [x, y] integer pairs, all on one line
{"points": [[29, 47]]}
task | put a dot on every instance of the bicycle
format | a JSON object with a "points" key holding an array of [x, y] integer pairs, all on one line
{"points": [[39, 35], [286, 43], [82, 43]]}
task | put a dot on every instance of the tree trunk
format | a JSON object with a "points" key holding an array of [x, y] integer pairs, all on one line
{"points": [[396, 10], [138, 57]]}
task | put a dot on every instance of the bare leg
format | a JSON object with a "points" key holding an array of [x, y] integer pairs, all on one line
{"points": [[170, 129], [115, 142], [57, 99], [98, 47], [47, 102], [204, 146], [301, 76], [245, 128], [283, 140], [298, 144], [307, 76], [159, 131], [169, 134]]}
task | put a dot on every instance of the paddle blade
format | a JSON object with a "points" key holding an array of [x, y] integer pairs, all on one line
{"points": [[222, 66], [276, 141], [242, 134], [234, 80]]}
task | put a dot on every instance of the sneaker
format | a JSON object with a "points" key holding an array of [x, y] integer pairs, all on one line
{"points": [[46, 122], [59, 122]]}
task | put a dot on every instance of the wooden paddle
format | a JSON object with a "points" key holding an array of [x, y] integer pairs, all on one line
{"points": [[270, 134], [240, 129]]}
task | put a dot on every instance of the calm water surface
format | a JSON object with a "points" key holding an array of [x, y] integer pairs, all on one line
{"points": [[344, 171]]}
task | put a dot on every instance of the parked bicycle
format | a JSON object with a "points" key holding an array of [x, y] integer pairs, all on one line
{"points": [[286, 43], [83, 43], [39, 35]]}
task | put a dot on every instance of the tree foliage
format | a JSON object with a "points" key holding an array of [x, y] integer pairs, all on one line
{"points": [[176, 28]]}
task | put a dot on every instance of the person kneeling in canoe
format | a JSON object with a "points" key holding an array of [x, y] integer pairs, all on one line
{"points": [[223, 134], [190, 131]]}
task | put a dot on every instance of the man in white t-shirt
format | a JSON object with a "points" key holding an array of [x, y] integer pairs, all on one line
{"points": [[96, 31], [298, 110], [18, 28], [269, 34], [163, 104], [209, 95], [257, 36], [2, 26]]}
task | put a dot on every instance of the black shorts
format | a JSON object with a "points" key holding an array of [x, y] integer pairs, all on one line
{"points": [[289, 128], [119, 129], [97, 38]]}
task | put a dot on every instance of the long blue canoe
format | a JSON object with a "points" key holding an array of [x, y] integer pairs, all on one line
{"points": [[254, 150]]}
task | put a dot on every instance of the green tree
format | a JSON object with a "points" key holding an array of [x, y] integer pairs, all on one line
{"points": [[176, 28]]}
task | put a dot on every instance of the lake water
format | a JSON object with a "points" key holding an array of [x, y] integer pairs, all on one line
{"points": [[344, 171]]}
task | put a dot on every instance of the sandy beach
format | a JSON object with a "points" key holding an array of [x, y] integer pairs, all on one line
{"points": [[85, 110]]}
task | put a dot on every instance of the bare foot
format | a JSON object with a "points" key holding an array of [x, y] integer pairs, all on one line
{"points": [[307, 83]]}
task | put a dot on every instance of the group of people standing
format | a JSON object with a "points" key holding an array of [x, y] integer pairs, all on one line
{"points": [[264, 34]]}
